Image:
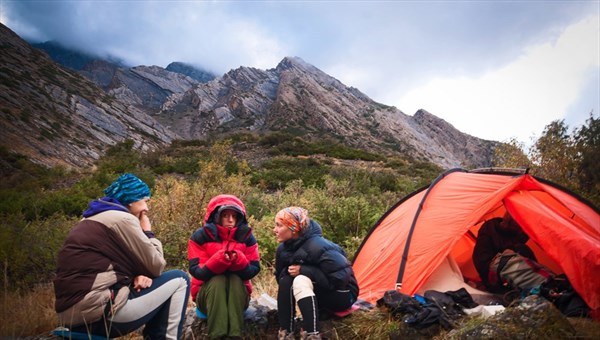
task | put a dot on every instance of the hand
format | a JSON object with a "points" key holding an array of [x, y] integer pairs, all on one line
{"points": [[294, 270], [219, 262], [230, 256], [145, 221], [140, 282], [240, 261]]}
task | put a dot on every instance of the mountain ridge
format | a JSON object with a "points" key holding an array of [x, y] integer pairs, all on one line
{"points": [[299, 98], [54, 116], [294, 97]]}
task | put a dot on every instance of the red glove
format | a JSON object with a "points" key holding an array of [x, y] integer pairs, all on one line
{"points": [[240, 261], [217, 263]]}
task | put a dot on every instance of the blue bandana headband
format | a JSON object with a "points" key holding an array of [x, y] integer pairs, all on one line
{"points": [[127, 189]]}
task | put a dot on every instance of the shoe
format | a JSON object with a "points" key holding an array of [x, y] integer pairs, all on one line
{"points": [[285, 335], [310, 336]]}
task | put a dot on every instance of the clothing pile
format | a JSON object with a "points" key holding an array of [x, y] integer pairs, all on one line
{"points": [[432, 308]]}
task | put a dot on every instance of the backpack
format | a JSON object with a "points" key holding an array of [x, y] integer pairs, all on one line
{"points": [[512, 270]]}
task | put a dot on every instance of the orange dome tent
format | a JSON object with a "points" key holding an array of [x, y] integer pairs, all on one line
{"points": [[426, 240]]}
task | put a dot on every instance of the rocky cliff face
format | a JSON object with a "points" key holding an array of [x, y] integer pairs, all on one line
{"points": [[297, 97], [72, 118], [57, 117], [147, 87], [474, 152]]}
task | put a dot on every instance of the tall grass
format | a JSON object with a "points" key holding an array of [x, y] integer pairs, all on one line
{"points": [[27, 312]]}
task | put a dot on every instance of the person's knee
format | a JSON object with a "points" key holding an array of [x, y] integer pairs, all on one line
{"points": [[236, 285], [217, 280], [214, 289], [182, 279], [216, 285], [286, 281], [235, 280], [302, 287], [176, 274]]}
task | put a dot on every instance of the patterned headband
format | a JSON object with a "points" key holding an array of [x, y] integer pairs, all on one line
{"points": [[295, 218]]}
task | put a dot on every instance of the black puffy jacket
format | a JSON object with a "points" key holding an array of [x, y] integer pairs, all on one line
{"points": [[323, 261]]}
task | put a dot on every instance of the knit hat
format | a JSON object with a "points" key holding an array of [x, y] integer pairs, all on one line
{"points": [[295, 218], [229, 207], [127, 189]]}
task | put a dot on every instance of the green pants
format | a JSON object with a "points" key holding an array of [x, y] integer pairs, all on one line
{"points": [[223, 299]]}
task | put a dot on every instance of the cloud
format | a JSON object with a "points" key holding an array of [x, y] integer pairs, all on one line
{"points": [[468, 62], [519, 99], [207, 34]]}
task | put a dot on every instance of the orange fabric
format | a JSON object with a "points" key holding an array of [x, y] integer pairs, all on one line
{"points": [[567, 230]]}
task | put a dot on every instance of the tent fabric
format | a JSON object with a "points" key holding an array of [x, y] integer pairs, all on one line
{"points": [[414, 237], [448, 277]]}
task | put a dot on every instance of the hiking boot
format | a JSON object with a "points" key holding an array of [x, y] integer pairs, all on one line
{"points": [[310, 336], [285, 335]]}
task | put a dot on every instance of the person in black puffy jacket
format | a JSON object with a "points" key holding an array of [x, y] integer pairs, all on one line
{"points": [[311, 271]]}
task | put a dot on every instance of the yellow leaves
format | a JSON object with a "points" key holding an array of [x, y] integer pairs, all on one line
{"points": [[510, 155]]}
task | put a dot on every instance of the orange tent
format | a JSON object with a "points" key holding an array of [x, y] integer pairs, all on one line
{"points": [[431, 233]]}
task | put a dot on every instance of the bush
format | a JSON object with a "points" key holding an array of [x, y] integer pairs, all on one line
{"points": [[267, 244], [278, 172], [342, 214], [275, 138], [29, 249]]}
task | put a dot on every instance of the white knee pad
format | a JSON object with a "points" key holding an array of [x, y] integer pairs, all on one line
{"points": [[302, 287]]}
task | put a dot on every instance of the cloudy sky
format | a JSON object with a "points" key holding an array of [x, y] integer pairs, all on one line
{"points": [[493, 69]]}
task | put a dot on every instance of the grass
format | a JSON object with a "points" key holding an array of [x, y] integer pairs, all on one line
{"points": [[27, 313], [31, 313]]}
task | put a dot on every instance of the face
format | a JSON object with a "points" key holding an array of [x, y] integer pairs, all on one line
{"points": [[282, 232], [138, 207], [228, 218], [509, 224]]}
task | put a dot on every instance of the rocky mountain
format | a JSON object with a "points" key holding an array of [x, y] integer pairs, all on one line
{"points": [[143, 86], [55, 116], [299, 98], [62, 117]]}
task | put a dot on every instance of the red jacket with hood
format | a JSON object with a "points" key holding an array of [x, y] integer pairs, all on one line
{"points": [[207, 246]]}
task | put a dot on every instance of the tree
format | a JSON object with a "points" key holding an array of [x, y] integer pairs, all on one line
{"points": [[572, 161], [587, 145], [555, 156], [510, 155]]}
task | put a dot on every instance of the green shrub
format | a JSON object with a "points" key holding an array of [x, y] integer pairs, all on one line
{"points": [[121, 158], [28, 249], [276, 173], [267, 244], [275, 138]]}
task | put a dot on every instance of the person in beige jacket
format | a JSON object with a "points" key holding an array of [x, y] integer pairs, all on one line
{"points": [[110, 278]]}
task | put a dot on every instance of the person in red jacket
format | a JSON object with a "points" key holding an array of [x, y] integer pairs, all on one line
{"points": [[223, 257]]}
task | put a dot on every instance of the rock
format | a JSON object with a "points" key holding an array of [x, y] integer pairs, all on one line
{"points": [[534, 317], [260, 321]]}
